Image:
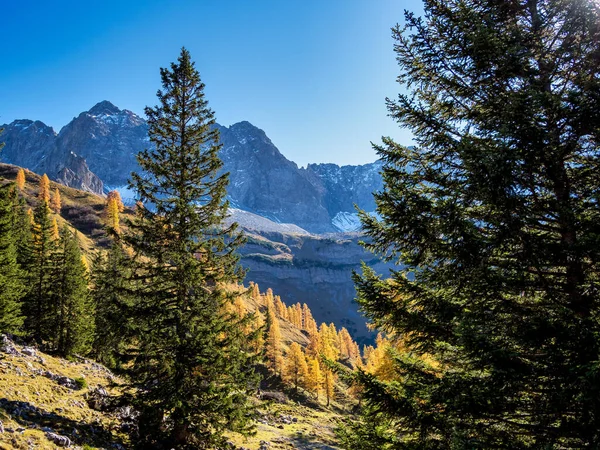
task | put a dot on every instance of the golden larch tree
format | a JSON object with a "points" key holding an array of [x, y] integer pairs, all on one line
{"points": [[55, 201], [273, 343], [269, 300], [314, 344], [308, 322], [296, 369], [112, 213], [44, 189], [329, 351], [55, 231], [255, 292], [280, 309], [240, 307], [348, 348], [298, 316], [314, 379], [20, 179], [117, 197], [258, 344]]}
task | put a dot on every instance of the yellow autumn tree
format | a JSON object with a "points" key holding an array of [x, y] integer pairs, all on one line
{"points": [[269, 300], [117, 197], [334, 341], [255, 292], [112, 213], [55, 232], [348, 348], [296, 369], [314, 379], [298, 316], [329, 351], [239, 306], [55, 202], [308, 322], [44, 189], [379, 361], [273, 343], [314, 344], [258, 344], [20, 179], [279, 307]]}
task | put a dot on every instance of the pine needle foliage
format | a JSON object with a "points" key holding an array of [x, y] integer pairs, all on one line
{"points": [[494, 217], [194, 379], [12, 283], [72, 311], [113, 297], [38, 303]]}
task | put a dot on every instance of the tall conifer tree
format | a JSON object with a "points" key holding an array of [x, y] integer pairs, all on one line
{"points": [[494, 215], [113, 301], [12, 286], [37, 305], [72, 312], [194, 378]]}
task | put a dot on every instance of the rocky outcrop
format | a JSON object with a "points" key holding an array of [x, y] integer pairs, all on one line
{"points": [[316, 270], [75, 173], [34, 145], [347, 186]]}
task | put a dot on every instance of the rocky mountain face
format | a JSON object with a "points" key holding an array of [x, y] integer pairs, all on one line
{"points": [[109, 139], [34, 145], [308, 268], [264, 182], [319, 198], [312, 269]]}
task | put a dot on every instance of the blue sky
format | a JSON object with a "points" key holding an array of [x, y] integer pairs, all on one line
{"points": [[313, 74]]}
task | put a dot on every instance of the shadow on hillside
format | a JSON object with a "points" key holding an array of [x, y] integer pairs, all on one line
{"points": [[30, 416], [305, 442]]}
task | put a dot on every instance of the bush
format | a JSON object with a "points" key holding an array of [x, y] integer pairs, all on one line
{"points": [[81, 383]]}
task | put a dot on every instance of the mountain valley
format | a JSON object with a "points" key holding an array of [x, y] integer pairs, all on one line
{"points": [[302, 227]]}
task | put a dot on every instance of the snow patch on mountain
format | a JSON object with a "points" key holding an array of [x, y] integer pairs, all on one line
{"points": [[346, 221], [249, 221]]}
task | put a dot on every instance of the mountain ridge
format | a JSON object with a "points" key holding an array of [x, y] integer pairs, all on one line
{"points": [[96, 152]]}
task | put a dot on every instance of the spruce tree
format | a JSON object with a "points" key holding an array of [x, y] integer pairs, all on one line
{"points": [[494, 219], [113, 302], [37, 305], [194, 380], [72, 312], [23, 232], [12, 286]]}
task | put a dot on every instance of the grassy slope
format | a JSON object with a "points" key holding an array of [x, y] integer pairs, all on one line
{"points": [[63, 410], [82, 211]]}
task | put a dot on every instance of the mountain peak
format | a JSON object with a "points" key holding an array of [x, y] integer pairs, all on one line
{"points": [[104, 107]]}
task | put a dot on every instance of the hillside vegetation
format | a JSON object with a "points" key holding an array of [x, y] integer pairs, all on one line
{"points": [[83, 401]]}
